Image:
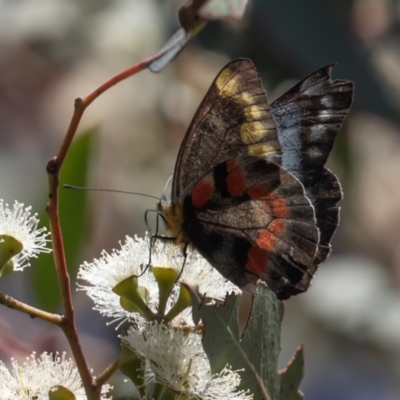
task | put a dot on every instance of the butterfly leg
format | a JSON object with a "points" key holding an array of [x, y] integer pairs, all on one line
{"points": [[155, 236]]}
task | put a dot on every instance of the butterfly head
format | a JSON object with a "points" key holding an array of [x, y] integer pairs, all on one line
{"points": [[172, 212]]}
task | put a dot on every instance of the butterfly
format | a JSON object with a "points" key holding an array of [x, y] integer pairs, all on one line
{"points": [[250, 190]]}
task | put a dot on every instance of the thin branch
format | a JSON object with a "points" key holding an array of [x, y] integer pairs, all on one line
{"points": [[107, 373], [69, 327], [33, 312], [82, 103], [53, 171]]}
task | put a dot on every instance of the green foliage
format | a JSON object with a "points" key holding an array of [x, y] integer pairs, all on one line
{"points": [[73, 216], [133, 367], [257, 352], [291, 377]]}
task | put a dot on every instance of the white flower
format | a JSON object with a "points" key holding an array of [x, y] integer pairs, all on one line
{"points": [[196, 271], [131, 260], [37, 376], [111, 269], [176, 358], [19, 223]]}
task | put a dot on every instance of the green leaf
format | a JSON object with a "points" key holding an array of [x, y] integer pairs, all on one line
{"points": [[221, 342], [133, 367], [291, 377], [261, 341], [258, 351], [73, 212]]}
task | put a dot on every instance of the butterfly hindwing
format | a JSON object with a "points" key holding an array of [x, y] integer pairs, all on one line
{"points": [[233, 119], [308, 118], [250, 218]]}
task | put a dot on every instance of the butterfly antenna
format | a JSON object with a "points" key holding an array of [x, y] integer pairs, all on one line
{"points": [[92, 189], [166, 185]]}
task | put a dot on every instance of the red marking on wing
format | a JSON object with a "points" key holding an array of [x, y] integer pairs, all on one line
{"points": [[280, 208], [257, 262], [267, 240], [277, 207], [235, 180], [259, 192], [275, 227], [202, 192], [231, 164], [266, 243]]}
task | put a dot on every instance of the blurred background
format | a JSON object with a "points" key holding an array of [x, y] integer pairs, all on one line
{"points": [[52, 51]]}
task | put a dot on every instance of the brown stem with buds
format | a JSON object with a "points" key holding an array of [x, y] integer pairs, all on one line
{"points": [[92, 388]]}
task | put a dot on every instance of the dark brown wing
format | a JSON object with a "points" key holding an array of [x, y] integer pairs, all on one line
{"points": [[251, 220], [308, 118], [233, 119]]}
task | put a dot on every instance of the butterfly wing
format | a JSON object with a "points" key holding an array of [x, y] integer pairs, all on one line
{"points": [[255, 224], [308, 118], [250, 190], [233, 119]]}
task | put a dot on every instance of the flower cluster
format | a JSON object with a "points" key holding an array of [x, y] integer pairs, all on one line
{"points": [[20, 236], [127, 285], [37, 377], [175, 358], [132, 260], [144, 283]]}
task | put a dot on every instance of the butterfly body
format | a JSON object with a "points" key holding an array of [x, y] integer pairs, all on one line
{"points": [[250, 190]]}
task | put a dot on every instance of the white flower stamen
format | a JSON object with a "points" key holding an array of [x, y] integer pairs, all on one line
{"points": [[37, 376], [19, 223], [110, 269], [176, 358]]}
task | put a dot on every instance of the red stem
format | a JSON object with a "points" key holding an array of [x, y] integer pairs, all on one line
{"points": [[53, 170]]}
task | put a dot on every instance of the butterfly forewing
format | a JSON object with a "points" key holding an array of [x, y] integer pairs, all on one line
{"points": [[233, 119]]}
